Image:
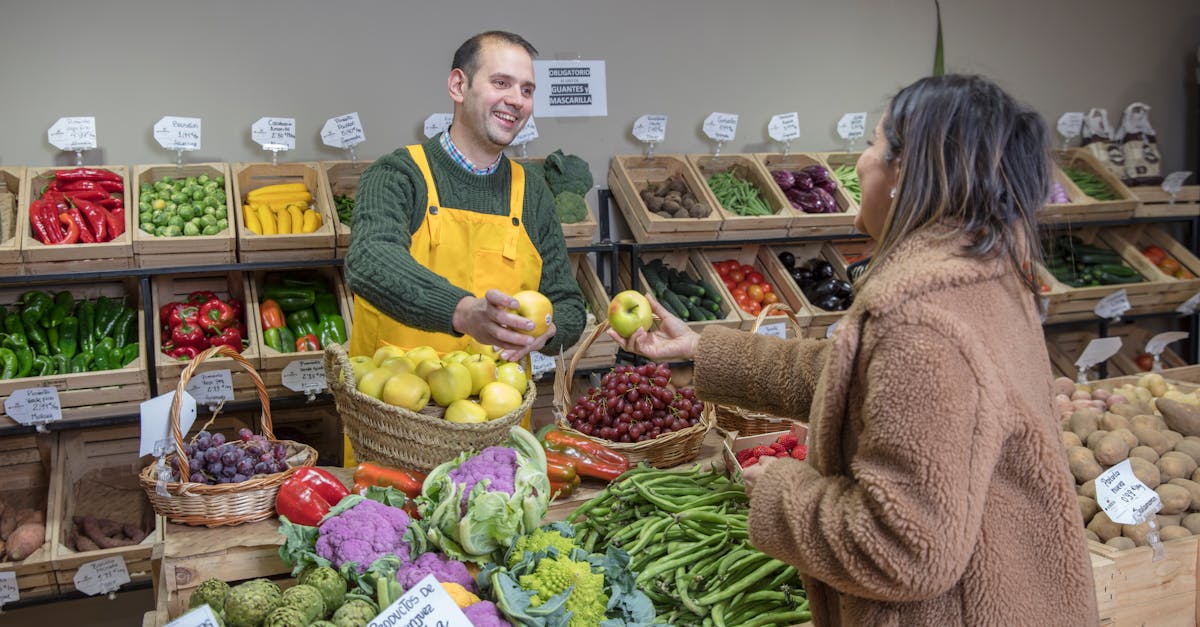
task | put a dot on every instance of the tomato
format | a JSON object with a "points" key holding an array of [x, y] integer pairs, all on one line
{"points": [[1144, 361], [770, 298], [738, 276], [1045, 288], [1155, 254], [753, 308], [746, 268], [738, 292], [730, 265], [729, 284], [1169, 266], [755, 278], [755, 293], [767, 288], [1184, 274]]}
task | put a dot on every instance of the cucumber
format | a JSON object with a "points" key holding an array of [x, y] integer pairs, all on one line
{"points": [[709, 292], [689, 289], [709, 304], [1120, 270], [675, 304]]}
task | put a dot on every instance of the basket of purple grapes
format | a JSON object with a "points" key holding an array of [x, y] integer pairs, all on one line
{"points": [[212, 481]]}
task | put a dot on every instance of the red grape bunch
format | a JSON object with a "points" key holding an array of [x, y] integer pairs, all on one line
{"points": [[212, 460], [634, 404]]}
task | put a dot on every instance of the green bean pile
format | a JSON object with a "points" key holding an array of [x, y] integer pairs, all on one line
{"points": [[738, 195], [1090, 184], [847, 176], [686, 532]]}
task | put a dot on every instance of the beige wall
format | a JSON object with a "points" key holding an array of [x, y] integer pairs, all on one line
{"points": [[129, 62]]}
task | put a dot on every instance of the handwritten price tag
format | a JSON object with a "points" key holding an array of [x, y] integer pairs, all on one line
{"points": [[852, 125], [784, 127], [1113, 306], [156, 422], [274, 133], [1124, 497], [426, 603], [210, 388], [650, 128], [72, 134], [720, 127], [174, 133], [304, 375], [437, 123], [200, 617], [344, 131], [8, 587], [34, 406], [527, 134], [540, 363], [1070, 124], [776, 329], [1158, 343], [1097, 351], [101, 576]]}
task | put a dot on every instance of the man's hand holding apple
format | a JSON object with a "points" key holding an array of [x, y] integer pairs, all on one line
{"points": [[672, 339], [496, 320]]}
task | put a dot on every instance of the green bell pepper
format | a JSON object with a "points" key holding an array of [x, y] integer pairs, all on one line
{"points": [[42, 366], [37, 339], [129, 353], [272, 338], [287, 339], [16, 330], [8, 363], [87, 324], [332, 330], [68, 336], [303, 322], [327, 305], [81, 362], [304, 280], [62, 365], [24, 361], [290, 298], [102, 358]]}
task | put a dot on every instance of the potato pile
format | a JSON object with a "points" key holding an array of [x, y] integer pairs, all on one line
{"points": [[673, 199], [1153, 425], [22, 531]]}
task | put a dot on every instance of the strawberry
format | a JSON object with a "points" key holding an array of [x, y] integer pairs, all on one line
{"points": [[749, 462], [763, 451], [778, 448], [743, 455], [781, 454], [788, 441], [800, 452]]}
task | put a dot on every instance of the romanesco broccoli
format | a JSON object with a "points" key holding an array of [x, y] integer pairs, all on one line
{"points": [[540, 539], [587, 601]]}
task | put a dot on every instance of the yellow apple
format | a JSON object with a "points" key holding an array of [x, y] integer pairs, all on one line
{"points": [[449, 383], [482, 369], [465, 411], [427, 366], [386, 351], [499, 399], [475, 347], [398, 364], [455, 356], [421, 353], [372, 382], [536, 307], [628, 311], [513, 374], [407, 391], [361, 365]]}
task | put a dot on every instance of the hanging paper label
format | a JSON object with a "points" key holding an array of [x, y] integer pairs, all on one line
{"points": [[852, 125], [1070, 124], [101, 576], [437, 123], [1097, 351], [425, 604], [344, 131], [830, 331], [274, 133], [73, 134], [540, 363], [574, 88], [720, 127], [650, 128], [775, 329], [200, 617], [1124, 497], [174, 133], [9, 591], [156, 422], [784, 127], [304, 375], [34, 406], [527, 134], [1158, 343], [1190, 305], [212, 387], [1174, 182], [1113, 306]]}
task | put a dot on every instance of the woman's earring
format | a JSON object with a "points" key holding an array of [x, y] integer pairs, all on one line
{"points": [[893, 193]]}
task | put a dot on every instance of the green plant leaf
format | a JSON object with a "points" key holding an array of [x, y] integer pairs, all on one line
{"points": [[939, 58]]}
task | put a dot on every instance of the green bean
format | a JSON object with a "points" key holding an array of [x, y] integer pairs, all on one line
{"points": [[741, 584], [785, 618], [847, 176], [681, 586], [737, 195]]}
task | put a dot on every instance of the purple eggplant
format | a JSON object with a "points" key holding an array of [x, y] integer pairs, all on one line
{"points": [[783, 179], [825, 200], [803, 181], [818, 173], [828, 185], [809, 201]]}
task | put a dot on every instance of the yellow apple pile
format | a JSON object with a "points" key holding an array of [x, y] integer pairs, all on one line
{"points": [[474, 385]]}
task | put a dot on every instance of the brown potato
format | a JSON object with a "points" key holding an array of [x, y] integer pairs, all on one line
{"points": [[1083, 464], [1174, 532], [1070, 439], [1083, 422], [1127, 409], [1174, 465], [1111, 422], [1166, 520], [1189, 446], [1063, 385], [1149, 421], [1146, 472], [1087, 507], [1088, 489], [1192, 523], [1175, 499], [1144, 452], [1128, 436], [1104, 527], [1193, 489], [1137, 533], [1152, 438], [1091, 535], [1181, 417], [1094, 438], [1121, 543], [1174, 437], [1112, 448]]}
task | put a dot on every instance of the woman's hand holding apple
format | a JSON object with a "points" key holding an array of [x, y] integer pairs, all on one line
{"points": [[672, 339]]}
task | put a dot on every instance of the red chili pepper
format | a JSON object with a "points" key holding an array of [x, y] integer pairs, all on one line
{"points": [[594, 459], [407, 481], [72, 234], [183, 352], [116, 221], [307, 342], [86, 174], [199, 297], [117, 187], [85, 234], [230, 337], [187, 334], [51, 186], [90, 196], [56, 200], [110, 202], [96, 219], [45, 233], [215, 314]]}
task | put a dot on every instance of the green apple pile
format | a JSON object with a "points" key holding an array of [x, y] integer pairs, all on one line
{"points": [[474, 385]]}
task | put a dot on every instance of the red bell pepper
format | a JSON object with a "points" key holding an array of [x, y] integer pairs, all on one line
{"points": [[164, 312], [85, 234], [230, 337], [560, 467], [271, 315], [307, 342], [182, 312], [189, 335], [591, 458], [560, 489], [215, 314], [407, 481], [86, 174], [199, 297], [308, 495], [72, 234], [183, 353], [96, 219], [237, 307]]}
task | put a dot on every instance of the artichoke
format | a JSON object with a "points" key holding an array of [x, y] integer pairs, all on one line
{"points": [[286, 616], [210, 591], [355, 613], [248, 604], [329, 583], [307, 599]]}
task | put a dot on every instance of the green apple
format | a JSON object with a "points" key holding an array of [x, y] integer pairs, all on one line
{"points": [[465, 411], [482, 369], [361, 365], [513, 373], [421, 353], [399, 364], [372, 382], [407, 391], [499, 399], [386, 351], [451, 382], [475, 347], [628, 311], [534, 306], [427, 366], [455, 356]]}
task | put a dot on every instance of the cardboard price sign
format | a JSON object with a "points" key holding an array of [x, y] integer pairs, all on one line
{"points": [[175, 133], [34, 406], [304, 375], [426, 604]]}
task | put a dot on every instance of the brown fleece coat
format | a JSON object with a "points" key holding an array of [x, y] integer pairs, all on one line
{"points": [[936, 490]]}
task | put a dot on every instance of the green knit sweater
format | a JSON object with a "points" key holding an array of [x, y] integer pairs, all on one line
{"points": [[389, 208]]}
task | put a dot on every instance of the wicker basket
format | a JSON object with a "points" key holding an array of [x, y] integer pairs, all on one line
{"points": [[744, 421], [227, 503], [394, 436], [665, 451]]}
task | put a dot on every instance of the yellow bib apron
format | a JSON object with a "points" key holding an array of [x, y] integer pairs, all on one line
{"points": [[473, 251]]}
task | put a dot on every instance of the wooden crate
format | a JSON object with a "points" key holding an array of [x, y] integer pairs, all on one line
{"points": [[97, 475], [340, 178], [628, 175], [1134, 340], [12, 193], [253, 247], [1131, 589], [1155, 203], [747, 168], [602, 352], [1176, 291], [1084, 207], [1066, 304], [580, 233], [38, 258], [761, 258], [692, 263], [271, 361], [809, 224], [820, 320], [1080, 207], [1064, 347], [87, 395], [151, 251], [27, 467], [168, 288]]}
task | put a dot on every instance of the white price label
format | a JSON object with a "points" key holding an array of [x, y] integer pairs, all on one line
{"points": [[174, 133], [344, 131], [9, 591], [274, 133], [426, 603], [200, 617], [1070, 124], [304, 375], [1158, 343], [527, 134], [34, 406], [101, 576], [437, 123], [1124, 497], [784, 127], [1113, 306], [775, 329], [540, 363], [852, 125], [831, 330], [212, 387], [156, 422], [1190, 305], [78, 133], [1097, 351], [650, 129], [720, 127], [1174, 182]]}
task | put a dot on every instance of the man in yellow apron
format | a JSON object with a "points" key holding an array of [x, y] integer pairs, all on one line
{"points": [[446, 231]]}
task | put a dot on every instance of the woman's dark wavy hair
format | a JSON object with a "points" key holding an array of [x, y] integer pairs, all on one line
{"points": [[972, 157]]}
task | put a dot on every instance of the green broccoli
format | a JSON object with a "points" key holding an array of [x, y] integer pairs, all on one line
{"points": [[570, 207], [567, 173]]}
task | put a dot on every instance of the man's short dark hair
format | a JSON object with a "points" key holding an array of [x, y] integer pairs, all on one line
{"points": [[466, 58]]}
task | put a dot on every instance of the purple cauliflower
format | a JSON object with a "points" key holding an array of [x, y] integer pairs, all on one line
{"points": [[497, 464], [485, 614], [364, 533], [444, 569]]}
